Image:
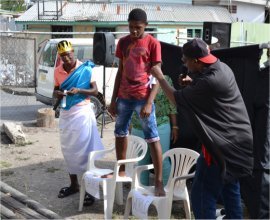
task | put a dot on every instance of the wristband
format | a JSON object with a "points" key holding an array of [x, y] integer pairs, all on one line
{"points": [[175, 127], [79, 90]]}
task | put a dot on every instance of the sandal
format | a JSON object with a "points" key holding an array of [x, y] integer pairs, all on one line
{"points": [[88, 200], [67, 191]]}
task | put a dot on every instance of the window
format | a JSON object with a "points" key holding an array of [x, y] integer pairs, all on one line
{"points": [[105, 29], [191, 33], [198, 33], [83, 52], [48, 56], [62, 29], [231, 8], [151, 30]]}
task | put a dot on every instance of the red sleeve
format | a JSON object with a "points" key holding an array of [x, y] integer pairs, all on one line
{"points": [[156, 51], [118, 52]]}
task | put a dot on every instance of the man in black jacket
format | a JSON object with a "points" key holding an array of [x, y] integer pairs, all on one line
{"points": [[255, 188], [216, 111]]}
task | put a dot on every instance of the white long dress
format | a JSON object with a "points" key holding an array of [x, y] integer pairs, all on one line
{"points": [[78, 136]]}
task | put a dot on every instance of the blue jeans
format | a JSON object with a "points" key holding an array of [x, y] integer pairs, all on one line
{"points": [[208, 187], [125, 109]]}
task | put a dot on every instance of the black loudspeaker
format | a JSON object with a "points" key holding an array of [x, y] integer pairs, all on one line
{"points": [[221, 31], [104, 49]]}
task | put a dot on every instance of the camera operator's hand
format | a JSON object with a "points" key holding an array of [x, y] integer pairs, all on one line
{"points": [[184, 80]]}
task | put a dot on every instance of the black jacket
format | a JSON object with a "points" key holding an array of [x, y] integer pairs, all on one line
{"points": [[216, 111]]}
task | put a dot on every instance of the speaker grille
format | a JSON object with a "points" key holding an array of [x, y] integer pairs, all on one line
{"points": [[103, 49], [222, 31], [99, 49]]}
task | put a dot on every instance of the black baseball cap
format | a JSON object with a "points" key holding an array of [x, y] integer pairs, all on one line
{"points": [[198, 49]]}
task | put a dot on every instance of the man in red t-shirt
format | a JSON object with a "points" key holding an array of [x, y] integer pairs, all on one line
{"points": [[135, 90]]}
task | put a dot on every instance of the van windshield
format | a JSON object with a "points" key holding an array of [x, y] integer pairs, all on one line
{"points": [[81, 52]]}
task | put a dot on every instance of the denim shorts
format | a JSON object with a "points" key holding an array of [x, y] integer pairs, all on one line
{"points": [[125, 108]]}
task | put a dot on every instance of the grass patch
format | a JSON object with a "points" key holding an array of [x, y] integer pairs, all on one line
{"points": [[52, 170], [23, 158], [4, 164], [24, 144]]}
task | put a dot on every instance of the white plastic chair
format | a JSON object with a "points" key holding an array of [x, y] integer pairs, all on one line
{"points": [[182, 160], [112, 187]]}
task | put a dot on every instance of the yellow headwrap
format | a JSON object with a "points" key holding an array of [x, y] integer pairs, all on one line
{"points": [[64, 46]]}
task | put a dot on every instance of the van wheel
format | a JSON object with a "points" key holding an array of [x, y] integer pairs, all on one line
{"points": [[97, 105]]}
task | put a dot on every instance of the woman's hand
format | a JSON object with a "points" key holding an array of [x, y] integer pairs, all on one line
{"points": [[174, 134], [73, 91]]}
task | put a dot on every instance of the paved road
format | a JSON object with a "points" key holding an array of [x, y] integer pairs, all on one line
{"points": [[19, 108]]}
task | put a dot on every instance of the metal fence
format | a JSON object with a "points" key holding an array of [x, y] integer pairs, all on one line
{"points": [[19, 55], [17, 77], [17, 61]]}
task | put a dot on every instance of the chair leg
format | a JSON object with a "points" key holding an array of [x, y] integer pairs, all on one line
{"points": [[187, 209], [119, 193], [82, 194], [108, 196], [187, 205], [163, 213], [128, 205]]}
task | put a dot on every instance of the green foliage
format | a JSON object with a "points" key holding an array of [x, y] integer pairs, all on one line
{"points": [[13, 5], [4, 164], [23, 158], [52, 169], [23, 144]]}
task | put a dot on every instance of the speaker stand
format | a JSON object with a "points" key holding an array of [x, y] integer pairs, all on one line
{"points": [[104, 111]]}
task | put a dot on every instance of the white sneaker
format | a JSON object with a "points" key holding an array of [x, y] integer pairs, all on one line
{"points": [[220, 213]]}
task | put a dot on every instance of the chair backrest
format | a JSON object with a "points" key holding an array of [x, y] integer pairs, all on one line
{"points": [[182, 160], [137, 148]]}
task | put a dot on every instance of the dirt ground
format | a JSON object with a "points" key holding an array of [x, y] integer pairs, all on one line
{"points": [[37, 169]]}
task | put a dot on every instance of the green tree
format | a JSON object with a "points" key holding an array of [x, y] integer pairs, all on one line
{"points": [[13, 5]]}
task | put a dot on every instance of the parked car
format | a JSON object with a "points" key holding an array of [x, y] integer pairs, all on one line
{"points": [[83, 50]]}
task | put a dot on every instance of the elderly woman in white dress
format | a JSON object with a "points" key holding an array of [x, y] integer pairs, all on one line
{"points": [[77, 123]]}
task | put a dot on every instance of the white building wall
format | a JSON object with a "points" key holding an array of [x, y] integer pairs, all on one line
{"points": [[257, 2], [138, 1], [247, 10], [249, 13]]}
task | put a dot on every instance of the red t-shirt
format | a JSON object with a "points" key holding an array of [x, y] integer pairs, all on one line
{"points": [[137, 57]]}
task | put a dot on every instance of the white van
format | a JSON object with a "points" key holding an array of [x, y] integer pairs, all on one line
{"points": [[83, 50]]}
